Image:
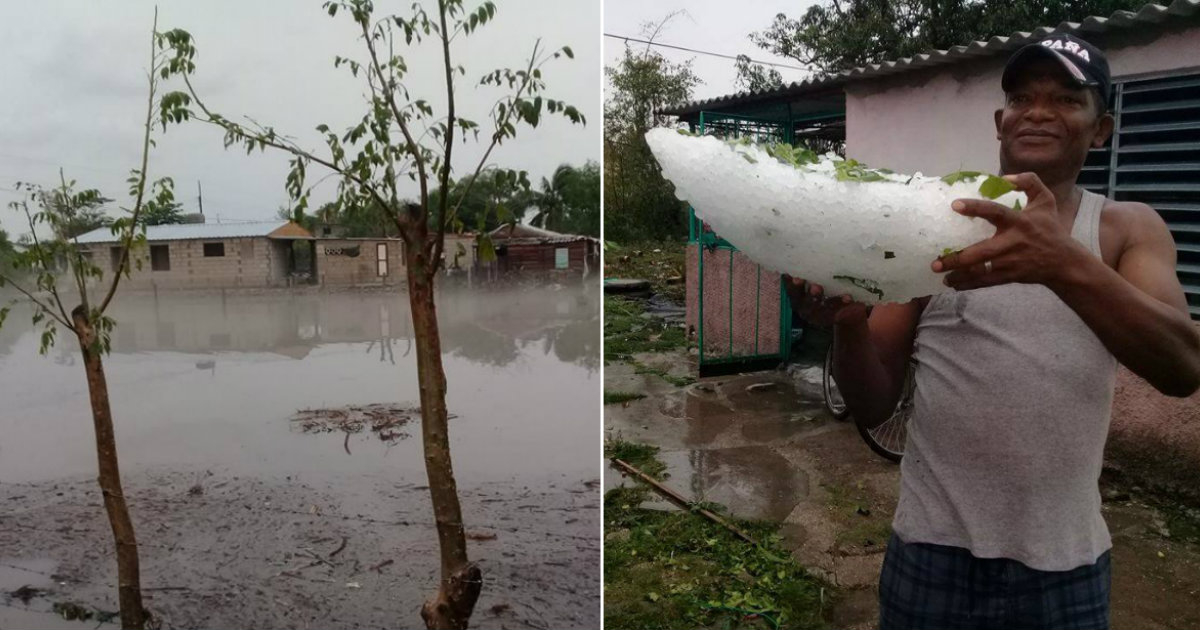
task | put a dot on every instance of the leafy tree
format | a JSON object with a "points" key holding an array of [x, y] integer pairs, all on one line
{"points": [[65, 213], [638, 202], [399, 136], [581, 196], [74, 221], [166, 214], [755, 77], [839, 35]]}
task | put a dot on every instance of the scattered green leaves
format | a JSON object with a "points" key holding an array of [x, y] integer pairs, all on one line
{"points": [[960, 176]]}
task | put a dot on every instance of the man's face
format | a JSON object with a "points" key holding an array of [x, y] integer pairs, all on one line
{"points": [[1047, 124]]}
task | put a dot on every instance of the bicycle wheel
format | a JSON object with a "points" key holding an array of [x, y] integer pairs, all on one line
{"points": [[888, 438], [834, 403]]}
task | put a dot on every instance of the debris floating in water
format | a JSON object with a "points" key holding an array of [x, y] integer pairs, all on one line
{"points": [[384, 420], [871, 233]]}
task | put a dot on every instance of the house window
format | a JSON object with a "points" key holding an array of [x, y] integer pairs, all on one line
{"points": [[114, 254], [214, 250], [562, 258], [381, 259], [160, 258]]}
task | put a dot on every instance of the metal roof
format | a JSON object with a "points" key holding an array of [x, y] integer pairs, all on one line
{"points": [[1149, 19], [192, 231]]}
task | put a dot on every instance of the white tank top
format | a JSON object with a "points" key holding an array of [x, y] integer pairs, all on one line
{"points": [[1011, 412]]}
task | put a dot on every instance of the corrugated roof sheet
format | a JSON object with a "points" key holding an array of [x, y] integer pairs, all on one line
{"points": [[520, 230], [194, 231], [1151, 16]]}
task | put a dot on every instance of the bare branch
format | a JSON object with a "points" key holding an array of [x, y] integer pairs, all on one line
{"points": [[390, 97], [435, 256], [127, 238], [41, 305], [221, 122], [497, 135]]}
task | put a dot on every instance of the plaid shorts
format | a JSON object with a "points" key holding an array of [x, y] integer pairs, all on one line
{"points": [[934, 587]]}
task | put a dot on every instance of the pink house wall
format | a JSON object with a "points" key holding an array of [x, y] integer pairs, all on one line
{"points": [[940, 121]]}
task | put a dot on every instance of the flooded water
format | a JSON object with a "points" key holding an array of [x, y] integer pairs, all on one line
{"points": [[227, 492]]}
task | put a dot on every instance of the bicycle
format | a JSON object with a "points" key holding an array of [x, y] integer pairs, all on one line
{"points": [[887, 439]]}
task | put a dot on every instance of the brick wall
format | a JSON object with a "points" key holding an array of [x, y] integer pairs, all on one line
{"points": [[247, 262]]}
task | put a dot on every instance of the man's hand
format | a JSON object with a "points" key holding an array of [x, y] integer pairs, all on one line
{"points": [[1030, 246], [809, 301]]}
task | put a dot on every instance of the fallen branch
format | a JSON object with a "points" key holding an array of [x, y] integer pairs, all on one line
{"points": [[680, 501], [344, 541]]}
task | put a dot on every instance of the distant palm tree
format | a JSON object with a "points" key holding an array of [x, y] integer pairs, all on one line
{"points": [[550, 201]]}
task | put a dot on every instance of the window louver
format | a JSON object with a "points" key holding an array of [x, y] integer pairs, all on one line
{"points": [[1154, 157]]}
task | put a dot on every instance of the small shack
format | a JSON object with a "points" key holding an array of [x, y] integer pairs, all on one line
{"points": [[204, 255], [528, 249]]}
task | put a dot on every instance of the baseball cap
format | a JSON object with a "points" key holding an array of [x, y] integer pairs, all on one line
{"points": [[1082, 61]]}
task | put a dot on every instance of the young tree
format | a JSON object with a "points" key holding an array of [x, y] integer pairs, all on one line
{"points": [[400, 136], [59, 211]]}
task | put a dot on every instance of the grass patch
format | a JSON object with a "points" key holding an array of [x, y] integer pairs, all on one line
{"points": [[616, 398], [668, 570], [1183, 522], [641, 456], [662, 264], [677, 381], [863, 526], [628, 331]]}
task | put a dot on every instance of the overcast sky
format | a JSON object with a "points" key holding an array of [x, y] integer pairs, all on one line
{"points": [[711, 25], [75, 91]]}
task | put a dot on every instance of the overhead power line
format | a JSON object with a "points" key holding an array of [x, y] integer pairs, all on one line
{"points": [[702, 52]]}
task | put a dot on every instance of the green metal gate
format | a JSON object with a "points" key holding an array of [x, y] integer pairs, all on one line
{"points": [[723, 307]]}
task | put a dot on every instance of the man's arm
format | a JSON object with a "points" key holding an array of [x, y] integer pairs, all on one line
{"points": [[1138, 310], [870, 356]]}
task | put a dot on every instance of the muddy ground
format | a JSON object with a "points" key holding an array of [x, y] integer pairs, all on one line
{"points": [[763, 445], [244, 552]]}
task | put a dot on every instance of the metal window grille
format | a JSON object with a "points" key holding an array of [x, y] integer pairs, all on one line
{"points": [[1154, 157]]}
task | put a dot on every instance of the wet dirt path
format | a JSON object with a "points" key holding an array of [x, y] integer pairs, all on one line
{"points": [[763, 445], [353, 553]]}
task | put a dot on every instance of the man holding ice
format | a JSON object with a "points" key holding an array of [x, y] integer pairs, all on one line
{"points": [[998, 523]]}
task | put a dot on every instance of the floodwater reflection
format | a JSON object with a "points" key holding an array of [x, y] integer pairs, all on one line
{"points": [[209, 381]]}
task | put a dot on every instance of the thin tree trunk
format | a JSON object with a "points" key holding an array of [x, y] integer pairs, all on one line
{"points": [[450, 608], [129, 584]]}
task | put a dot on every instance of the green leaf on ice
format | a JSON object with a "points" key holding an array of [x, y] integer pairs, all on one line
{"points": [[959, 176], [993, 187], [749, 159], [1017, 205], [870, 286]]}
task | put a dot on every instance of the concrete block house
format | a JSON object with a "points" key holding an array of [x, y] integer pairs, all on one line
{"points": [[205, 255]]}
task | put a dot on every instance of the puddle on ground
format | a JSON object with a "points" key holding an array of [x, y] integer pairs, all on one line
{"points": [[754, 482]]}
